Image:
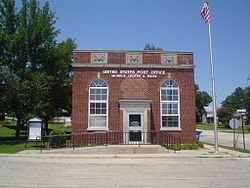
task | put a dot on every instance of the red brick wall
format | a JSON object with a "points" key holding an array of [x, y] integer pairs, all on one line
{"points": [[82, 57], [116, 58], [185, 59], [151, 58], [134, 88]]}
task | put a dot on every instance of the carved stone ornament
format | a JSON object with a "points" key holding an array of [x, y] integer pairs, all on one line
{"points": [[168, 59], [169, 76], [98, 58], [134, 58]]}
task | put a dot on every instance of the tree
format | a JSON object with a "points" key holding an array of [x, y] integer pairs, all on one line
{"points": [[224, 115], [239, 99], [35, 69], [202, 99], [151, 47], [1, 97], [58, 95]]}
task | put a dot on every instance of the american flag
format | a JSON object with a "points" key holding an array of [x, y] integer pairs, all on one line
{"points": [[205, 12]]}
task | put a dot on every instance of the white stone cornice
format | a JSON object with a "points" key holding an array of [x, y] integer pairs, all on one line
{"points": [[134, 51], [183, 66]]}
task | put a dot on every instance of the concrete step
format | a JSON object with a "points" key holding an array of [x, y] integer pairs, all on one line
{"points": [[113, 149]]}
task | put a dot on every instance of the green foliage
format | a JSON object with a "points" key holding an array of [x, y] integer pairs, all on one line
{"points": [[7, 130], [60, 127], [202, 99], [35, 70], [230, 148], [224, 115], [57, 132], [6, 123], [57, 140], [207, 126], [236, 100], [204, 126], [197, 145], [221, 128], [9, 143], [151, 47], [16, 146], [237, 131], [239, 99]]}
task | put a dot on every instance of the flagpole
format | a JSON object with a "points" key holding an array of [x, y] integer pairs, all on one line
{"points": [[213, 91]]}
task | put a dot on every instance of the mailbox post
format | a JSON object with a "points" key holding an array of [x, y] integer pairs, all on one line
{"points": [[35, 129]]}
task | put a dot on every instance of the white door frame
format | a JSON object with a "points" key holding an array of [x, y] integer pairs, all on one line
{"points": [[141, 128]]}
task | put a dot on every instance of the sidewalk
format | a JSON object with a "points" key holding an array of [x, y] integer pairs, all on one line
{"points": [[143, 151]]}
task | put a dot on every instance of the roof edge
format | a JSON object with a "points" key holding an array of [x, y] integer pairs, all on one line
{"points": [[133, 51]]}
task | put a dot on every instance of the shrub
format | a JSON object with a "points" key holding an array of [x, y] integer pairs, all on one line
{"points": [[57, 139], [194, 146], [197, 145], [6, 123]]}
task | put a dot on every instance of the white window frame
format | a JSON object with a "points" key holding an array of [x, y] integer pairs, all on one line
{"points": [[98, 101], [170, 102]]}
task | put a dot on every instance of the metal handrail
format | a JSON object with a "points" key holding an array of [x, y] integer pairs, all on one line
{"points": [[110, 138]]}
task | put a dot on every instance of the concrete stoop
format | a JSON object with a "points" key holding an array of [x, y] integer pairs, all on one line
{"points": [[128, 151], [113, 149]]}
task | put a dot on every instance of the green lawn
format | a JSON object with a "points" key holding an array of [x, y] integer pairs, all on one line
{"points": [[206, 126], [61, 127], [8, 142], [16, 146], [230, 148], [246, 131]]}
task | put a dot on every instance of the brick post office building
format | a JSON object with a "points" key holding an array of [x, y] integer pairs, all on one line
{"points": [[134, 92]]}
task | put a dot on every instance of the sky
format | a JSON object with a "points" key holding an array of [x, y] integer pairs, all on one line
{"points": [[174, 25]]}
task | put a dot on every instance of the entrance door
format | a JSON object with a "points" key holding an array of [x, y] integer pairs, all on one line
{"points": [[135, 127]]}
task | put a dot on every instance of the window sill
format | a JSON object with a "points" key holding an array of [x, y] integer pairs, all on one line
{"points": [[97, 129], [171, 129]]}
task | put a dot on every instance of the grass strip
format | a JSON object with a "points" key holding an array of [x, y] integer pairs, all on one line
{"points": [[207, 126], [16, 146], [229, 148]]}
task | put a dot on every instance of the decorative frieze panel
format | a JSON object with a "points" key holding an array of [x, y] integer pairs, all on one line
{"points": [[185, 59], [134, 58], [168, 59], [98, 58]]}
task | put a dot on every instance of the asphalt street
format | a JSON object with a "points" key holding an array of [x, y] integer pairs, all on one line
{"points": [[125, 172], [226, 139], [184, 169]]}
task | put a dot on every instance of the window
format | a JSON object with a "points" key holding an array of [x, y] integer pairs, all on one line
{"points": [[170, 103], [98, 104]]}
